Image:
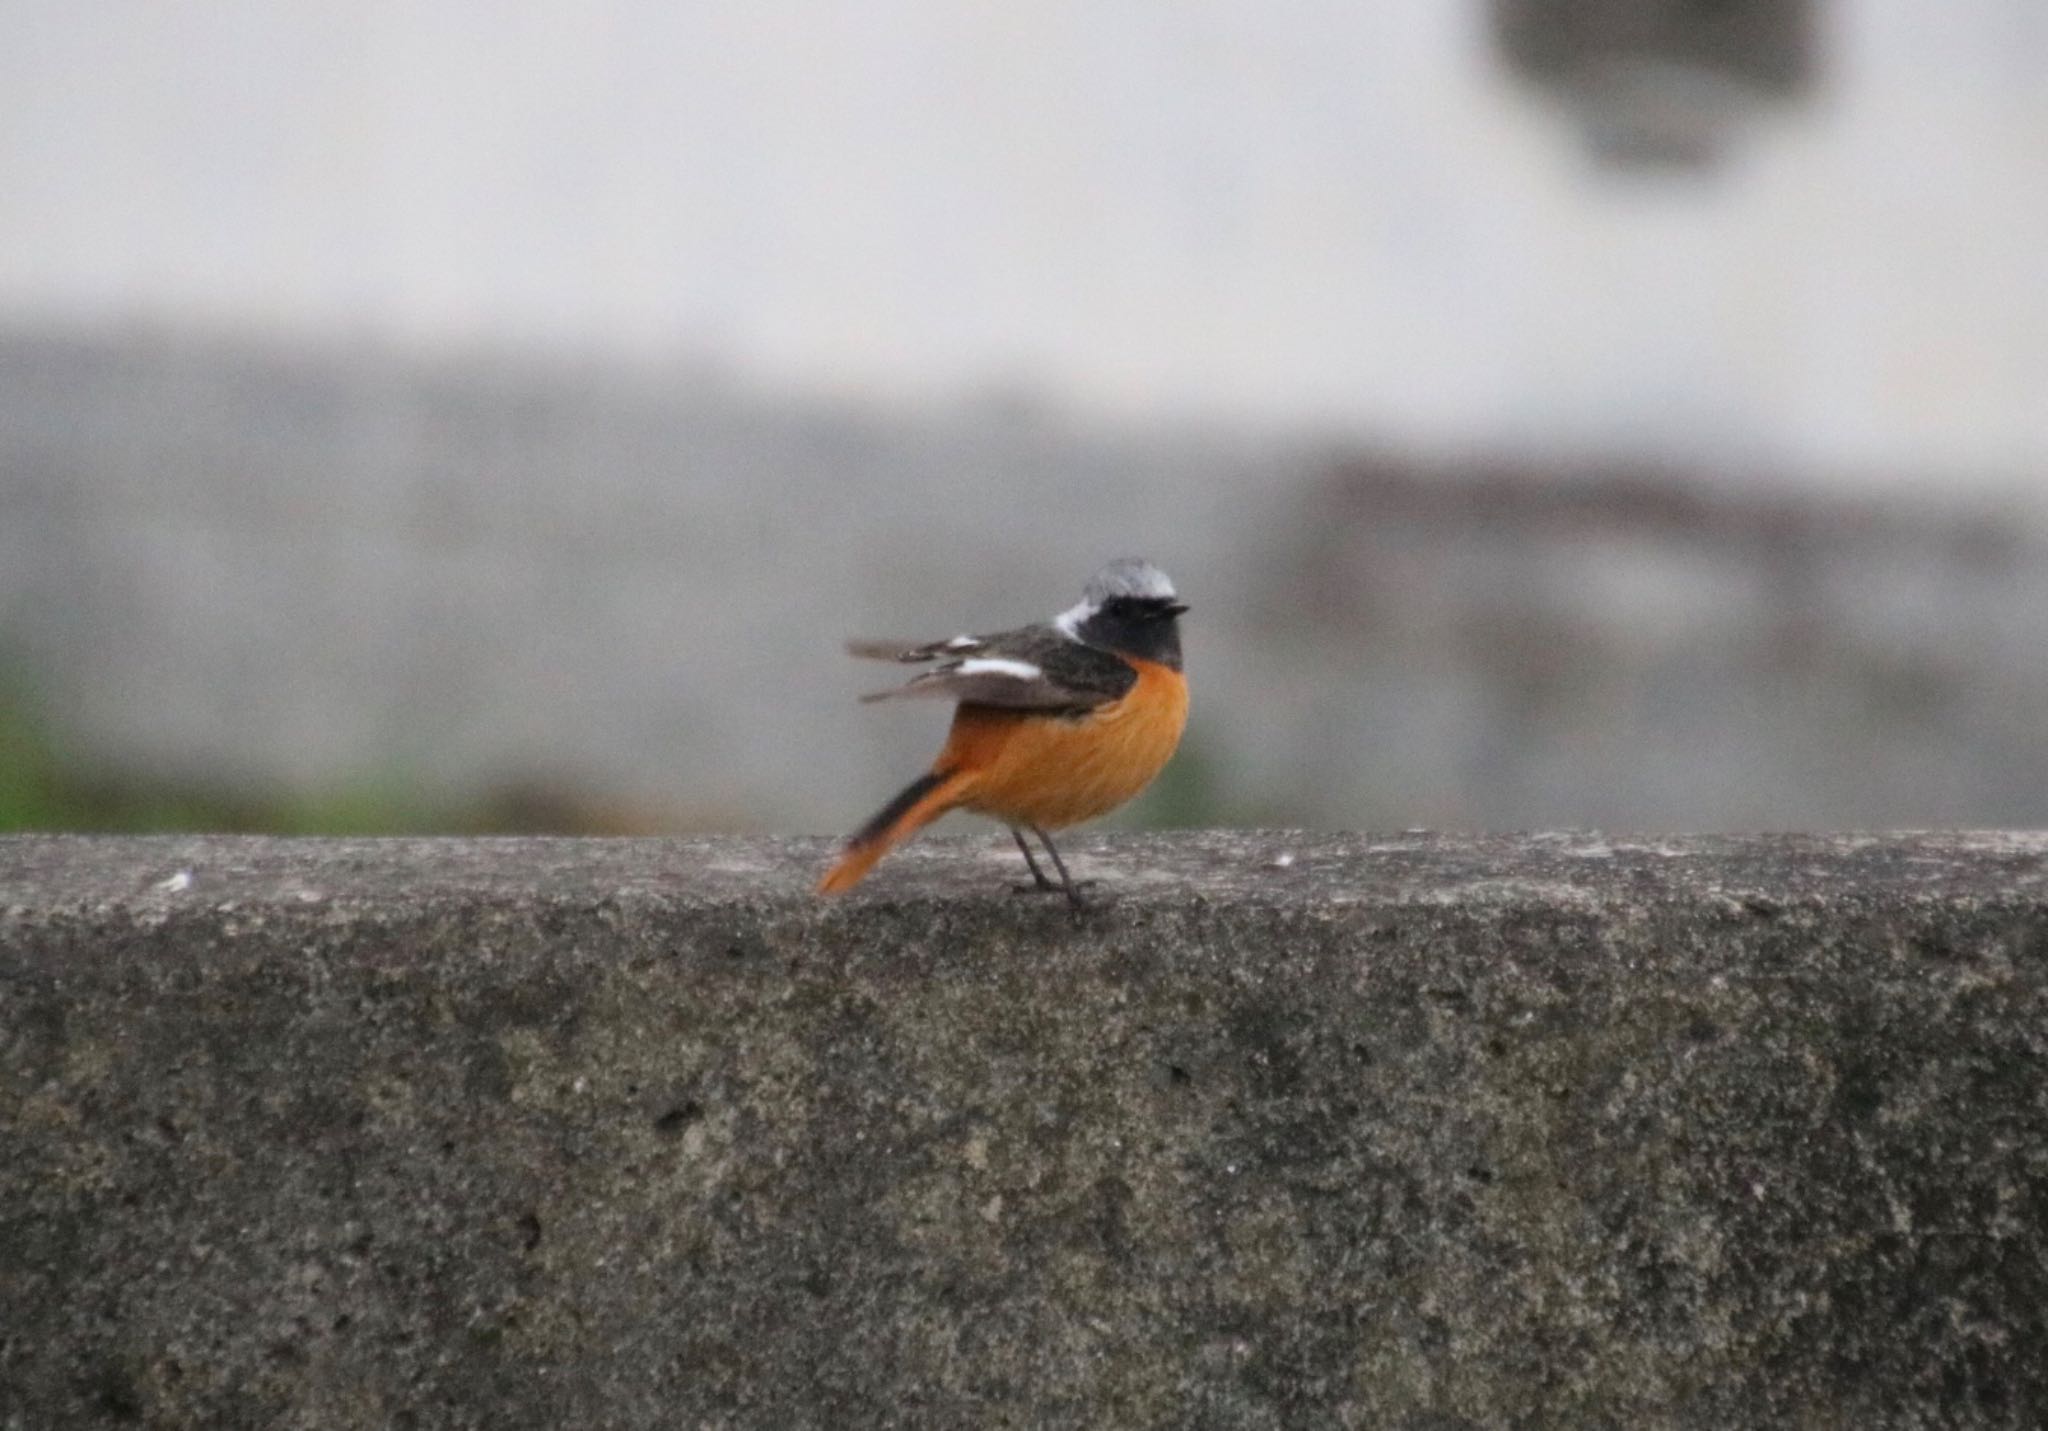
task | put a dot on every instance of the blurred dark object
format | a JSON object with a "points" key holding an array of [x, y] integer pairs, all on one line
{"points": [[1660, 82], [1521, 641]]}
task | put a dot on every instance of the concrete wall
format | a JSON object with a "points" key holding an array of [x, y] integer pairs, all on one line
{"points": [[302, 574], [1287, 1131]]}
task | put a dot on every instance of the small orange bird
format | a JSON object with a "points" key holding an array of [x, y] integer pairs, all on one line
{"points": [[1057, 723]]}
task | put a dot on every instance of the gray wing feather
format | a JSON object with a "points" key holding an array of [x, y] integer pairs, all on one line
{"points": [[914, 651], [984, 690], [1070, 676]]}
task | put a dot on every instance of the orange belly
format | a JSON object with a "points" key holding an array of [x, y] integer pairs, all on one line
{"points": [[1053, 771]]}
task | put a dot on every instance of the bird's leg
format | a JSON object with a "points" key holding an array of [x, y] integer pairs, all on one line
{"points": [[1073, 890], [1039, 883]]}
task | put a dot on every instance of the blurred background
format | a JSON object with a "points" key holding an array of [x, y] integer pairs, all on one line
{"points": [[465, 415]]}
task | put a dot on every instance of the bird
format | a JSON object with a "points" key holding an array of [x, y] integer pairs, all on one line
{"points": [[1056, 723]]}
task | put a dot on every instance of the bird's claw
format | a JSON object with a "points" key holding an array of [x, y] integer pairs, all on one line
{"points": [[1048, 887]]}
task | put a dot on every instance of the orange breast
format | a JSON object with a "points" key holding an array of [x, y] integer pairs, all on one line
{"points": [[1053, 771]]}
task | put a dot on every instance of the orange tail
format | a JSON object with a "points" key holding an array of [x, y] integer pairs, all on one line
{"points": [[926, 798]]}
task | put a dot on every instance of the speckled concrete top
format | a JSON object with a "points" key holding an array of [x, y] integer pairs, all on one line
{"points": [[1285, 1130]]}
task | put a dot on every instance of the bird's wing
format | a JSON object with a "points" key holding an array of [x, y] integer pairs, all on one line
{"points": [[1031, 668], [914, 651]]}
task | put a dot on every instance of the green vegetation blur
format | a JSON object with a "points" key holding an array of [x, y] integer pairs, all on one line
{"points": [[40, 790]]}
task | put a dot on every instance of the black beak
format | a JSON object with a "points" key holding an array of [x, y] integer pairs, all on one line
{"points": [[1174, 608]]}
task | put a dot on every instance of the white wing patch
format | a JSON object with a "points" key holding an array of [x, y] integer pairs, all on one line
{"points": [[997, 666], [963, 643]]}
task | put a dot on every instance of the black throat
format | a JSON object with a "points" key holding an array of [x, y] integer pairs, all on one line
{"points": [[1145, 627]]}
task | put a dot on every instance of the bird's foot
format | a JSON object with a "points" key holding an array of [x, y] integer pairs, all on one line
{"points": [[1046, 886]]}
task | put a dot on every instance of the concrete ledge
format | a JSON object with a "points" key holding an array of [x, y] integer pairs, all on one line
{"points": [[1292, 1131]]}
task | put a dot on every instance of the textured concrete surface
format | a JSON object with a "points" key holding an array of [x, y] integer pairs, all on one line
{"points": [[1292, 1131]]}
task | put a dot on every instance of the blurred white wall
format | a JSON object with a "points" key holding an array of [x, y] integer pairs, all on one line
{"points": [[1299, 211]]}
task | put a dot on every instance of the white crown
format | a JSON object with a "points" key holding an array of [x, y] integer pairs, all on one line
{"points": [[1128, 576]]}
